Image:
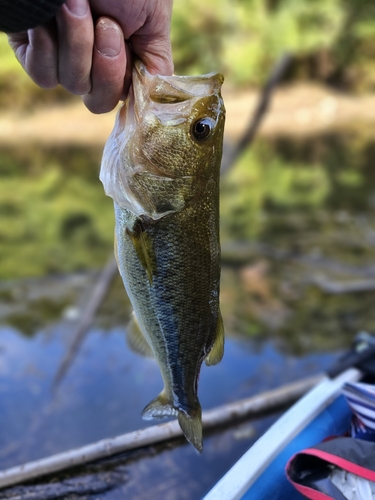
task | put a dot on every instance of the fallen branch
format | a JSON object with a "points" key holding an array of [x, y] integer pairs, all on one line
{"points": [[100, 291], [264, 101], [337, 287], [222, 415]]}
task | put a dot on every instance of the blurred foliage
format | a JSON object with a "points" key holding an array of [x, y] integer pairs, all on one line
{"points": [[285, 185], [331, 40], [53, 214], [303, 208]]}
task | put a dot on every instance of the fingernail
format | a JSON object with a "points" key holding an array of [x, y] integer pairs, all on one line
{"points": [[108, 37], [77, 7]]}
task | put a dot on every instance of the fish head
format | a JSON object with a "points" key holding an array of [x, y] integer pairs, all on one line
{"points": [[166, 145]]}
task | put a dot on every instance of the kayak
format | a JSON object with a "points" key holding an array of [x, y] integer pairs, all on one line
{"points": [[260, 472], [322, 413]]}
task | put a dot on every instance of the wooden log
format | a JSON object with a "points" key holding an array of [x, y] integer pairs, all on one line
{"points": [[78, 334], [222, 415], [341, 287]]}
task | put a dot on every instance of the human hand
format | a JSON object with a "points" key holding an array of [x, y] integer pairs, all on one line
{"points": [[94, 60]]}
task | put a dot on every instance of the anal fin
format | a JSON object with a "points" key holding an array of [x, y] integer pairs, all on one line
{"points": [[217, 350], [136, 339]]}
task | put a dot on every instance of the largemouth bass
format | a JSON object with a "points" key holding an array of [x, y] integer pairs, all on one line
{"points": [[161, 166]]}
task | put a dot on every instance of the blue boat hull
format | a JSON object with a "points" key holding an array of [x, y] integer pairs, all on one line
{"points": [[272, 484], [260, 473]]}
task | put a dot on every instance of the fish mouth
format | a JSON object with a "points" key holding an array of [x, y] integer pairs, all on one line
{"points": [[171, 90]]}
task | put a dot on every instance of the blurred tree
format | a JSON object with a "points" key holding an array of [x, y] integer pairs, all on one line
{"points": [[332, 40], [354, 48]]}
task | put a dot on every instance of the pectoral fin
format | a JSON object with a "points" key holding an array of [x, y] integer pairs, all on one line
{"points": [[143, 246], [136, 339], [217, 351]]}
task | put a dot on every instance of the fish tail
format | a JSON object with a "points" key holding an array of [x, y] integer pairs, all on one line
{"points": [[191, 424]]}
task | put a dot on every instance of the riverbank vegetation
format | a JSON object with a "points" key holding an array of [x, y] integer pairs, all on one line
{"points": [[332, 41]]}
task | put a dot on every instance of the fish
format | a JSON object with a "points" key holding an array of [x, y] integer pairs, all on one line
{"points": [[161, 166]]}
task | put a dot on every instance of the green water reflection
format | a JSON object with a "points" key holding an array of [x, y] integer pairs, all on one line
{"points": [[297, 216], [54, 217], [307, 206]]}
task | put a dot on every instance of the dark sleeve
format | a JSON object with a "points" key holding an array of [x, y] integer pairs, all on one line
{"points": [[21, 15]]}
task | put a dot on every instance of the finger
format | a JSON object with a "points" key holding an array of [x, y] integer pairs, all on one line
{"points": [[108, 67], [19, 43], [76, 40], [36, 50], [146, 25]]}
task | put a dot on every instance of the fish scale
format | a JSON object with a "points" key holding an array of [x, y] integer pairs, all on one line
{"points": [[162, 170]]}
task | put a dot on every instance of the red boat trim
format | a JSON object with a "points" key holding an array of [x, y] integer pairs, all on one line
{"points": [[342, 463]]}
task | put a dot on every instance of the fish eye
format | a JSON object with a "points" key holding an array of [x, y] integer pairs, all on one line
{"points": [[201, 129]]}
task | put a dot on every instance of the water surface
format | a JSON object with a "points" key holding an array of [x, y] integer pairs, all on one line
{"points": [[298, 216]]}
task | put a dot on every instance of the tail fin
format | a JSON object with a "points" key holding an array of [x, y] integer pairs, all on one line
{"points": [[191, 425], [192, 428]]}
